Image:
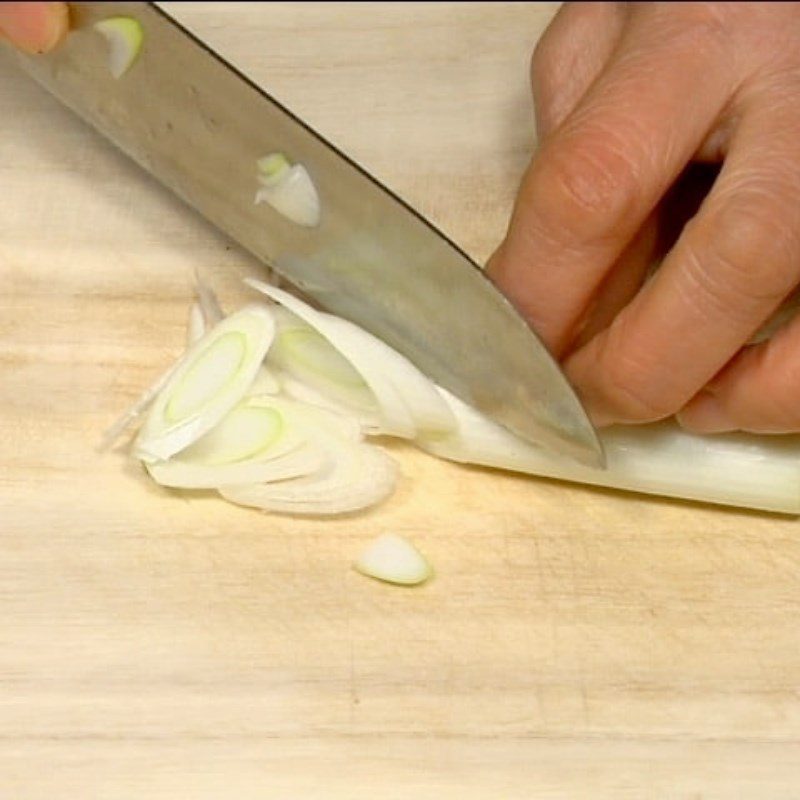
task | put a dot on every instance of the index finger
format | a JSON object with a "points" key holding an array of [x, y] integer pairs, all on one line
{"points": [[600, 174]]}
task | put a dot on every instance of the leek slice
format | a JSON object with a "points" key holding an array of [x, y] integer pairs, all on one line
{"points": [[262, 439], [393, 559], [314, 371], [196, 325], [215, 374], [125, 37], [409, 403], [288, 189], [357, 475]]}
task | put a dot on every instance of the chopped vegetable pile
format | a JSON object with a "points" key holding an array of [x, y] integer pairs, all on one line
{"points": [[273, 406]]}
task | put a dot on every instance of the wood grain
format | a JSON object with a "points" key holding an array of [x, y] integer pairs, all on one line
{"points": [[575, 643]]}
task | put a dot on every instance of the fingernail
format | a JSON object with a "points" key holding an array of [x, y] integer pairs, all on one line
{"points": [[599, 418], [705, 414]]}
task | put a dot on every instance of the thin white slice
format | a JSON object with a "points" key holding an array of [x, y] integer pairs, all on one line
{"points": [[661, 459], [397, 419], [393, 559], [196, 325], [180, 473], [209, 302], [358, 475], [212, 378], [408, 401], [307, 357], [137, 410], [298, 390], [125, 37], [419, 394], [262, 439], [293, 196]]}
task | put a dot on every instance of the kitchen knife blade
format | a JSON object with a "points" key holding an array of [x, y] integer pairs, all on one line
{"points": [[199, 126]]}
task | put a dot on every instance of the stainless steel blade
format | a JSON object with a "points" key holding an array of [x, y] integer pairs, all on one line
{"points": [[199, 126]]}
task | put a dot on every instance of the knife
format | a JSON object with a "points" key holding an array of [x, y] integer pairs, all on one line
{"points": [[199, 126]]}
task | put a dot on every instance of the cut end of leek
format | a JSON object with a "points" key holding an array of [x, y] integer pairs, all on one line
{"points": [[393, 559], [124, 36], [289, 190]]}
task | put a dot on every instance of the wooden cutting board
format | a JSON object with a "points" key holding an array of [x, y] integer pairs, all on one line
{"points": [[575, 643]]}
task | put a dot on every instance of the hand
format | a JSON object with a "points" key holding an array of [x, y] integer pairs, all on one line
{"points": [[34, 27], [628, 96]]}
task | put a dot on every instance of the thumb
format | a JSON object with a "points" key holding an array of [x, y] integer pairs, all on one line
{"points": [[34, 27]]}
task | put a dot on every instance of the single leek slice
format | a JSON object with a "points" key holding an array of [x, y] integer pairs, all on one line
{"points": [[196, 325], [125, 37], [137, 410], [205, 312], [289, 190], [409, 403], [393, 559], [209, 302], [661, 459], [356, 475], [262, 439], [308, 359], [213, 377]]}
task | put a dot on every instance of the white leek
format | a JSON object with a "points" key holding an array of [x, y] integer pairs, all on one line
{"points": [[408, 401], [213, 377], [260, 440], [196, 325], [354, 475], [224, 418], [661, 459], [393, 559], [357, 475], [125, 37], [314, 371], [136, 411], [288, 189]]}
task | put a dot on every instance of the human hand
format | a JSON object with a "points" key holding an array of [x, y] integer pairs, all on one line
{"points": [[628, 95], [34, 27]]}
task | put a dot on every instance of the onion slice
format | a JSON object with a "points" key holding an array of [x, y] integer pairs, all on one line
{"points": [[125, 37], [211, 379], [393, 559]]}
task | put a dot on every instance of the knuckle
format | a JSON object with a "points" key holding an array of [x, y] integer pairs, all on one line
{"points": [[630, 389], [749, 256], [588, 186], [696, 27]]}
